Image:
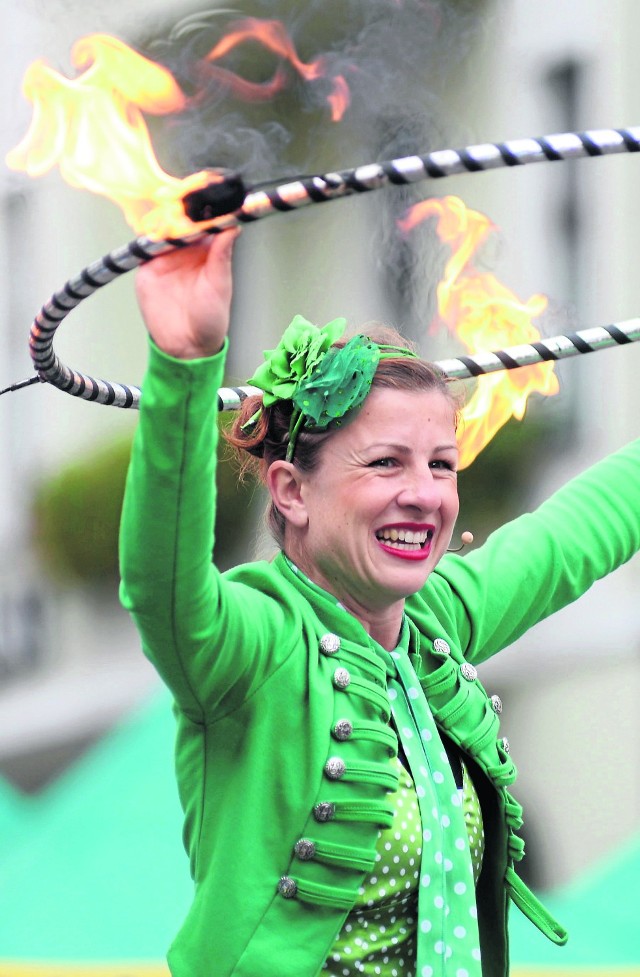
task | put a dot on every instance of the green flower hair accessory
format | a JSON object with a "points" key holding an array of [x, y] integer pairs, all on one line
{"points": [[339, 383], [323, 382], [300, 350]]}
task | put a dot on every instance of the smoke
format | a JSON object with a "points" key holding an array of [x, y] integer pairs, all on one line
{"points": [[400, 61], [397, 59]]}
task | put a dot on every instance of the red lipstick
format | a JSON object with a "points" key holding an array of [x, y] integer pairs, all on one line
{"points": [[411, 551]]}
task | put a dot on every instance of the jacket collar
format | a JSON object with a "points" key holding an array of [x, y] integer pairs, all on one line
{"points": [[335, 615]]}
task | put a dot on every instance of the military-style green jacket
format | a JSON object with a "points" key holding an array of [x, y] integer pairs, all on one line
{"points": [[271, 681]]}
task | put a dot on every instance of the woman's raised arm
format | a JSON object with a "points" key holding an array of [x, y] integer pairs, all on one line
{"points": [[185, 297]]}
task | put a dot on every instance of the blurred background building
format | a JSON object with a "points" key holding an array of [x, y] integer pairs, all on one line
{"points": [[70, 664]]}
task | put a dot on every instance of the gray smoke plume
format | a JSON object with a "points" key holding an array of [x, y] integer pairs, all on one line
{"points": [[397, 58]]}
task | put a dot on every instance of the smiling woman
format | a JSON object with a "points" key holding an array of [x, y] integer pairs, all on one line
{"points": [[343, 777], [396, 461], [376, 515]]}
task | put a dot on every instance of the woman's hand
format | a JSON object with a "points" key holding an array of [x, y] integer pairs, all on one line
{"points": [[185, 297]]}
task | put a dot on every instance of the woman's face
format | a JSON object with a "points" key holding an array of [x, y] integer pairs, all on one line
{"points": [[381, 505]]}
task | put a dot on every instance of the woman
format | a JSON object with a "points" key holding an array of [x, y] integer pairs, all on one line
{"points": [[341, 769]]}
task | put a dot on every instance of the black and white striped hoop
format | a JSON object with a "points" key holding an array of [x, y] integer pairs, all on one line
{"points": [[320, 189]]}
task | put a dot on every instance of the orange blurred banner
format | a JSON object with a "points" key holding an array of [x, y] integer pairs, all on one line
{"points": [[134, 969], [42, 969]]}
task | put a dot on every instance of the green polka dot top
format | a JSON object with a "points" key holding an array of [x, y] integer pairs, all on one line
{"points": [[379, 935], [416, 914]]}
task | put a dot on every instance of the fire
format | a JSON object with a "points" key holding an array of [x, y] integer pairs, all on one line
{"points": [[272, 35], [484, 314], [339, 98], [93, 126]]}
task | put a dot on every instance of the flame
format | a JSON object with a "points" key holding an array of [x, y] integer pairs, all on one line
{"points": [[339, 98], [93, 126], [484, 314], [273, 36]]}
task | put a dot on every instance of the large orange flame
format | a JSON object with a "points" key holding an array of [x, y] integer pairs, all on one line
{"points": [[93, 127], [484, 314]]}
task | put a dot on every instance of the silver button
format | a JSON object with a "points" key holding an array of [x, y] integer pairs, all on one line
{"points": [[329, 644], [341, 678], [441, 647], [324, 811], [304, 849], [505, 745], [496, 704], [469, 672], [335, 768], [343, 729], [287, 887]]}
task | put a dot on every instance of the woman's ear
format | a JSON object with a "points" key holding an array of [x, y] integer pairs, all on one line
{"points": [[284, 482]]}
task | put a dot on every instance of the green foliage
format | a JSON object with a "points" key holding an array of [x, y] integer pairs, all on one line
{"points": [[76, 516]]}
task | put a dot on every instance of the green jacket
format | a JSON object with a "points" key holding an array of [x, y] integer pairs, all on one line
{"points": [[261, 691]]}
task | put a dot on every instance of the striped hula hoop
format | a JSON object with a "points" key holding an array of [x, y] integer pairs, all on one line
{"points": [[320, 189]]}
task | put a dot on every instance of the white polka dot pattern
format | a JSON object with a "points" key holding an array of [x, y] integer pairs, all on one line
{"points": [[379, 935], [416, 915], [447, 936]]}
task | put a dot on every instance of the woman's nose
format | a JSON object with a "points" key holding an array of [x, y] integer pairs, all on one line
{"points": [[420, 491]]}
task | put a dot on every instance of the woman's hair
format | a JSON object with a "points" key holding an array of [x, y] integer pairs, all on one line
{"points": [[266, 441]]}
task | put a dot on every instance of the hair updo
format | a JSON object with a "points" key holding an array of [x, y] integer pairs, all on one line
{"points": [[267, 439]]}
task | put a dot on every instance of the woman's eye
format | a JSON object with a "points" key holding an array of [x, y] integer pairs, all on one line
{"points": [[383, 463], [442, 465]]}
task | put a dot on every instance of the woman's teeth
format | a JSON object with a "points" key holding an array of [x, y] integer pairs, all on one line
{"points": [[405, 538]]}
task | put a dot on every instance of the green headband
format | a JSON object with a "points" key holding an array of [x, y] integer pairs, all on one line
{"points": [[323, 382]]}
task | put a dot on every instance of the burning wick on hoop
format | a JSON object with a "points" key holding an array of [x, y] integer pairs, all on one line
{"points": [[225, 193]]}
